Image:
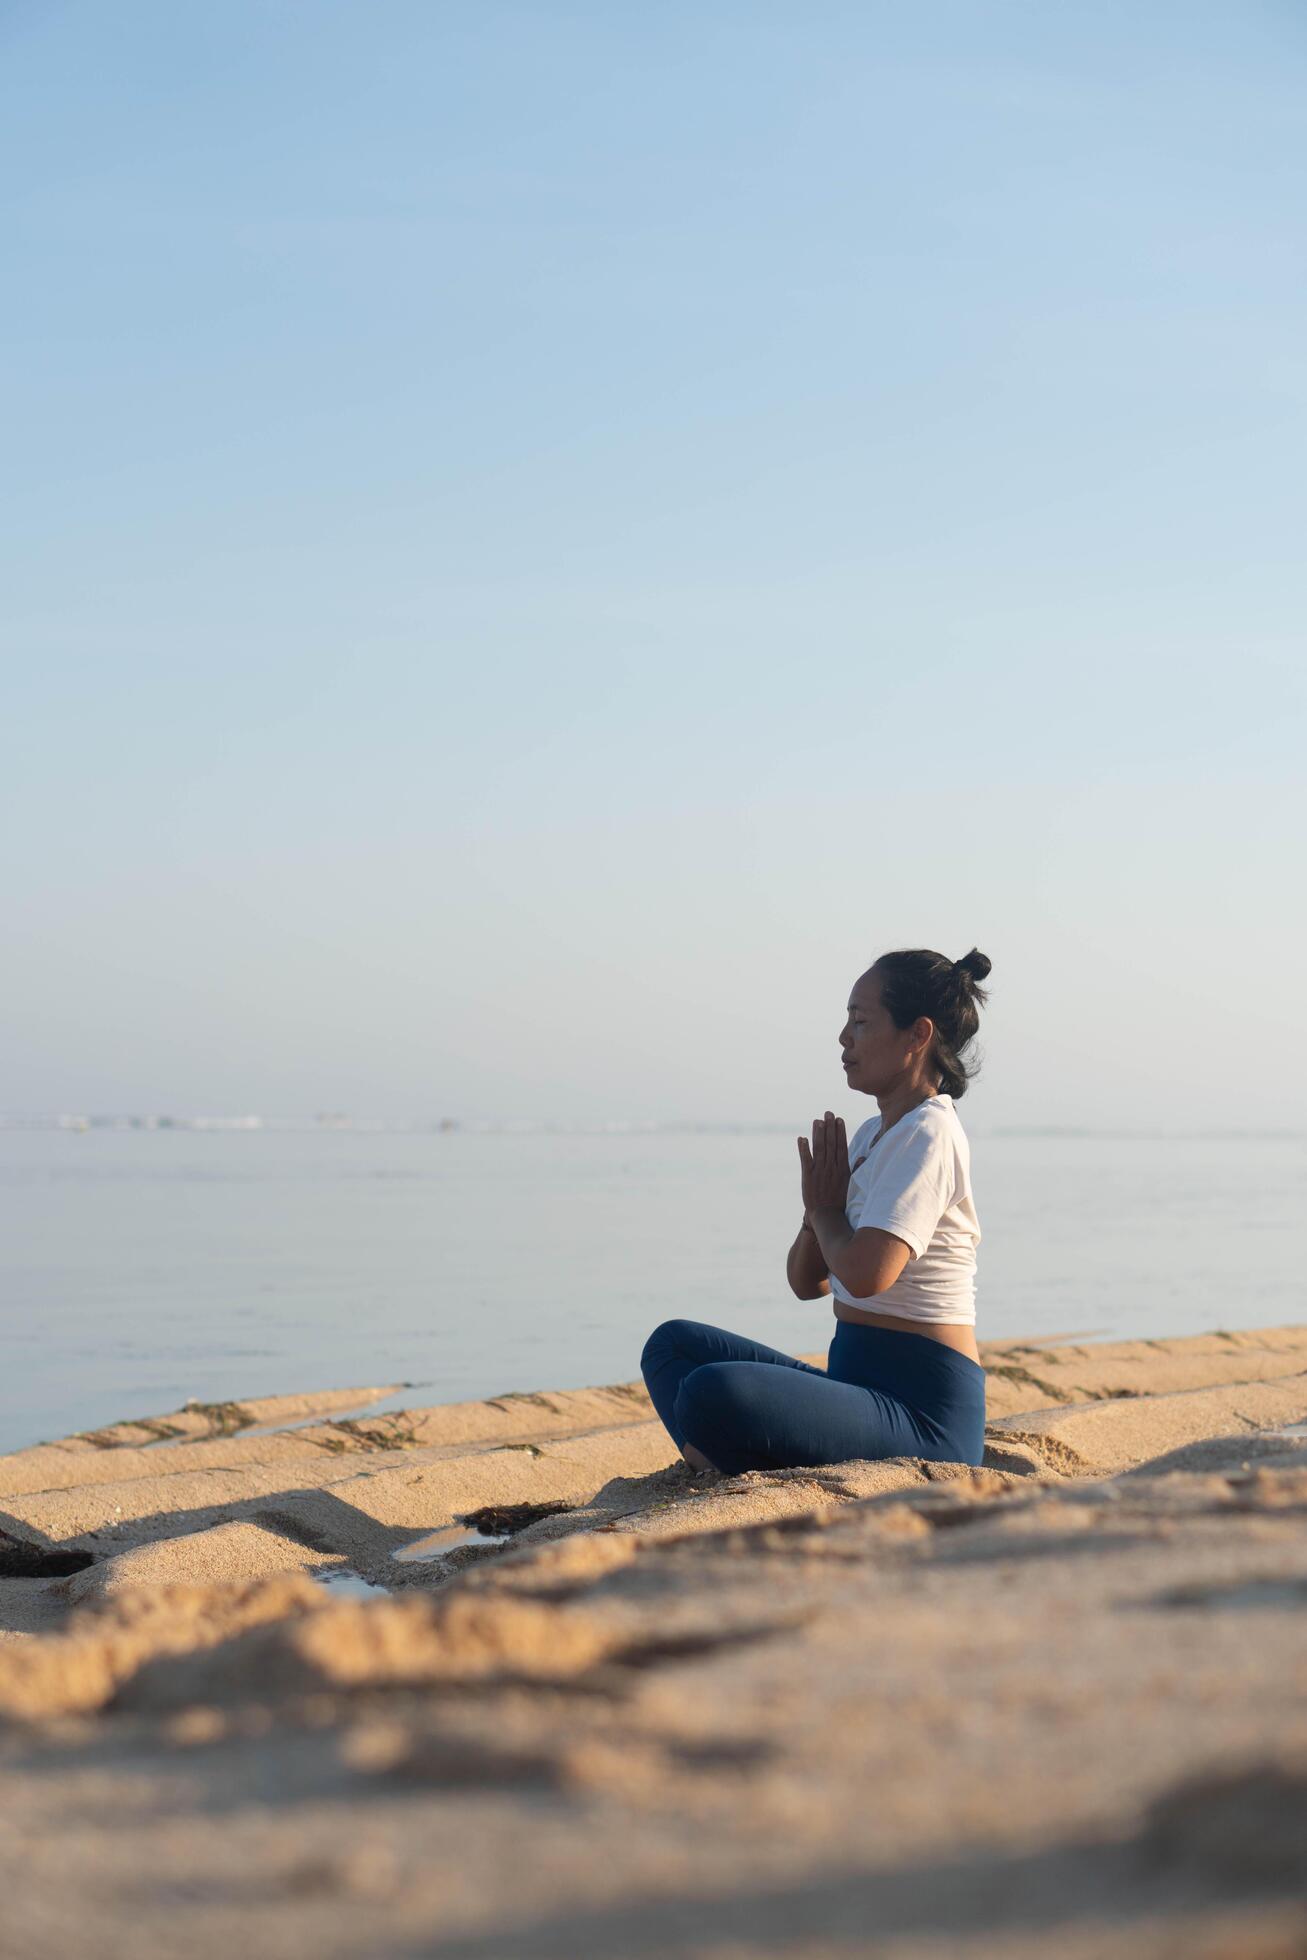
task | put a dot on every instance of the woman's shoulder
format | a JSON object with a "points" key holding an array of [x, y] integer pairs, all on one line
{"points": [[935, 1110], [937, 1119], [941, 1111], [944, 1125]]}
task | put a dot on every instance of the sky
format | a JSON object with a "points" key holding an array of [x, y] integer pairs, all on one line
{"points": [[539, 539]]}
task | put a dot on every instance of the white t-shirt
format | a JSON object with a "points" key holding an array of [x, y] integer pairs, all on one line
{"points": [[915, 1181]]}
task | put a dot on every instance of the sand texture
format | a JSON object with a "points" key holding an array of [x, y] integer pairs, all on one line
{"points": [[507, 1678]]}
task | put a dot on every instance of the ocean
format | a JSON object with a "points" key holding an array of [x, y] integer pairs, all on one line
{"points": [[145, 1267]]}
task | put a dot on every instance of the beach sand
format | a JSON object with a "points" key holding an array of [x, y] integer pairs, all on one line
{"points": [[507, 1678]]}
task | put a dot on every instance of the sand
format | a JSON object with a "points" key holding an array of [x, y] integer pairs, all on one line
{"points": [[506, 1677]]}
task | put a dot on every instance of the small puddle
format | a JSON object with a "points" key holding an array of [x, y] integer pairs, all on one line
{"points": [[438, 1542], [399, 1401], [349, 1585]]}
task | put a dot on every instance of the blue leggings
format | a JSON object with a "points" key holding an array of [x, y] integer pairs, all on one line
{"points": [[749, 1407]]}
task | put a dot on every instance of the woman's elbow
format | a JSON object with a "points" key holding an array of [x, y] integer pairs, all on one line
{"points": [[865, 1286], [818, 1292]]}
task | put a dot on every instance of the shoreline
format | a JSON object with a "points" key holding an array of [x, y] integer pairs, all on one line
{"points": [[507, 1675], [331, 1399]]}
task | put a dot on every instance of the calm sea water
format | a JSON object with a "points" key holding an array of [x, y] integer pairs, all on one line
{"points": [[141, 1268]]}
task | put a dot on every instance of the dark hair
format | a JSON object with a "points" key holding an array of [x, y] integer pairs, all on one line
{"points": [[948, 993]]}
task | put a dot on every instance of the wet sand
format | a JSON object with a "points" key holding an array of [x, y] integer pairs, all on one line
{"points": [[506, 1677]]}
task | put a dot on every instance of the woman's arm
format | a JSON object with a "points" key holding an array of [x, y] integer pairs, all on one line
{"points": [[805, 1268], [866, 1261]]}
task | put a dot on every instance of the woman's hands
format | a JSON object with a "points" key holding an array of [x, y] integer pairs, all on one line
{"points": [[824, 1169]]}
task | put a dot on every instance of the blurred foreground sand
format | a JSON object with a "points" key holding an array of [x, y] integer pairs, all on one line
{"points": [[896, 1708]]}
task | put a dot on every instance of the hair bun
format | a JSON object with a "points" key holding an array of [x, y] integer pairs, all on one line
{"points": [[975, 964]]}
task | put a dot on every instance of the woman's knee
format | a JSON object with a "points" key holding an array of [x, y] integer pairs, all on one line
{"points": [[668, 1337], [710, 1402], [718, 1413], [692, 1409]]}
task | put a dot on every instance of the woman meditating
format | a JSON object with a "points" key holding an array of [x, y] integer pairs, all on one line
{"points": [[891, 1237]]}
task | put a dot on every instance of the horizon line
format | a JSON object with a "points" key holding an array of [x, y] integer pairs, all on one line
{"points": [[341, 1121]]}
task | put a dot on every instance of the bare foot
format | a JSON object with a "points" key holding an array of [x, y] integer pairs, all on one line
{"points": [[696, 1459]]}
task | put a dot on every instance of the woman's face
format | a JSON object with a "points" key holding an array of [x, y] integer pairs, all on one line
{"points": [[876, 1053]]}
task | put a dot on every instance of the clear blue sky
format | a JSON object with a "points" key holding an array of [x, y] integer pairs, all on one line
{"points": [[541, 538]]}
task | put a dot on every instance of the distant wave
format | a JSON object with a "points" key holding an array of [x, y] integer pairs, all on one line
{"points": [[617, 1126]]}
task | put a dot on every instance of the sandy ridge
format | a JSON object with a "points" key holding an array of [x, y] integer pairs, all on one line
{"points": [[1021, 1376]]}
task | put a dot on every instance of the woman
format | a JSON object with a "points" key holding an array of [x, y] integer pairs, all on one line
{"points": [[892, 1238]]}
